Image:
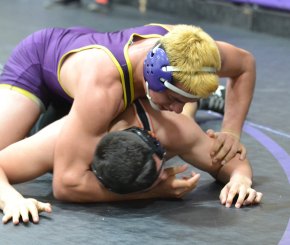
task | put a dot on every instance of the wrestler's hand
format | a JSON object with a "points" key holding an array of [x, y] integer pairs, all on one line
{"points": [[21, 207], [239, 186], [226, 146], [173, 187]]}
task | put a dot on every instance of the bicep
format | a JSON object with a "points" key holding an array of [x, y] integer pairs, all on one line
{"points": [[91, 190], [235, 61]]}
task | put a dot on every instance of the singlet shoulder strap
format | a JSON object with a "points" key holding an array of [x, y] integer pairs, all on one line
{"points": [[142, 115]]}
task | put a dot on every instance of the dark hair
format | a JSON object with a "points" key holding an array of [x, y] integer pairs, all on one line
{"points": [[123, 162]]}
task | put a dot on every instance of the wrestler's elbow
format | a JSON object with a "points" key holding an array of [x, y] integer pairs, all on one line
{"points": [[59, 194], [64, 188], [249, 62], [60, 191]]}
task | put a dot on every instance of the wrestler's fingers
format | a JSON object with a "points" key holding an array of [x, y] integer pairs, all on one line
{"points": [[189, 183], [241, 198], [243, 152], [192, 182], [33, 210], [211, 133], [7, 216], [44, 207], [223, 195], [251, 197], [217, 145], [187, 177], [16, 217], [259, 196], [222, 153], [231, 195], [24, 212], [230, 153], [176, 170], [187, 187], [194, 179]]}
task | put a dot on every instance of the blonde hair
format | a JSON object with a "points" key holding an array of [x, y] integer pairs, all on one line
{"points": [[190, 48]]}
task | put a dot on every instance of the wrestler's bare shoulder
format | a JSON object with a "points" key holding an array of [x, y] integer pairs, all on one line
{"points": [[82, 67], [88, 60]]}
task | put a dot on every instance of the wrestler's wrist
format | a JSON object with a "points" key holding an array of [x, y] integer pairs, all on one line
{"points": [[242, 178], [231, 132]]}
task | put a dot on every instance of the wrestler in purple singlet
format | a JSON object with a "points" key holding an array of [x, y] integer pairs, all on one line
{"points": [[35, 62]]}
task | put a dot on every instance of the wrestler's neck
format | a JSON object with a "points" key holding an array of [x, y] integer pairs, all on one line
{"points": [[129, 118], [124, 120]]}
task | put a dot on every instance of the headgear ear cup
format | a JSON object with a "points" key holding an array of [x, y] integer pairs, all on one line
{"points": [[153, 73], [158, 73]]}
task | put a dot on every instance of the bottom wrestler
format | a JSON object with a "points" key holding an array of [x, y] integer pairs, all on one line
{"points": [[177, 133]]}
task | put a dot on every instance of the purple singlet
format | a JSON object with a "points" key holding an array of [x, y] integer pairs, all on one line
{"points": [[34, 65]]}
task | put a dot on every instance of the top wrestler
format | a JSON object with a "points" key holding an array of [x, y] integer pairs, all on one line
{"points": [[102, 73], [140, 168]]}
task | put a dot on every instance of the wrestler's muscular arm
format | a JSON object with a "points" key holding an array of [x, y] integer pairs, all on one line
{"points": [[98, 98], [239, 67], [236, 174], [24, 161]]}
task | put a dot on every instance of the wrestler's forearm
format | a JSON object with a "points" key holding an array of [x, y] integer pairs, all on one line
{"points": [[234, 168], [239, 66], [239, 94], [89, 190], [72, 155], [236, 110]]}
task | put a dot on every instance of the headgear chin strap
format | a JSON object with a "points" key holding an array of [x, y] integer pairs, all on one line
{"points": [[153, 105], [158, 72]]}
